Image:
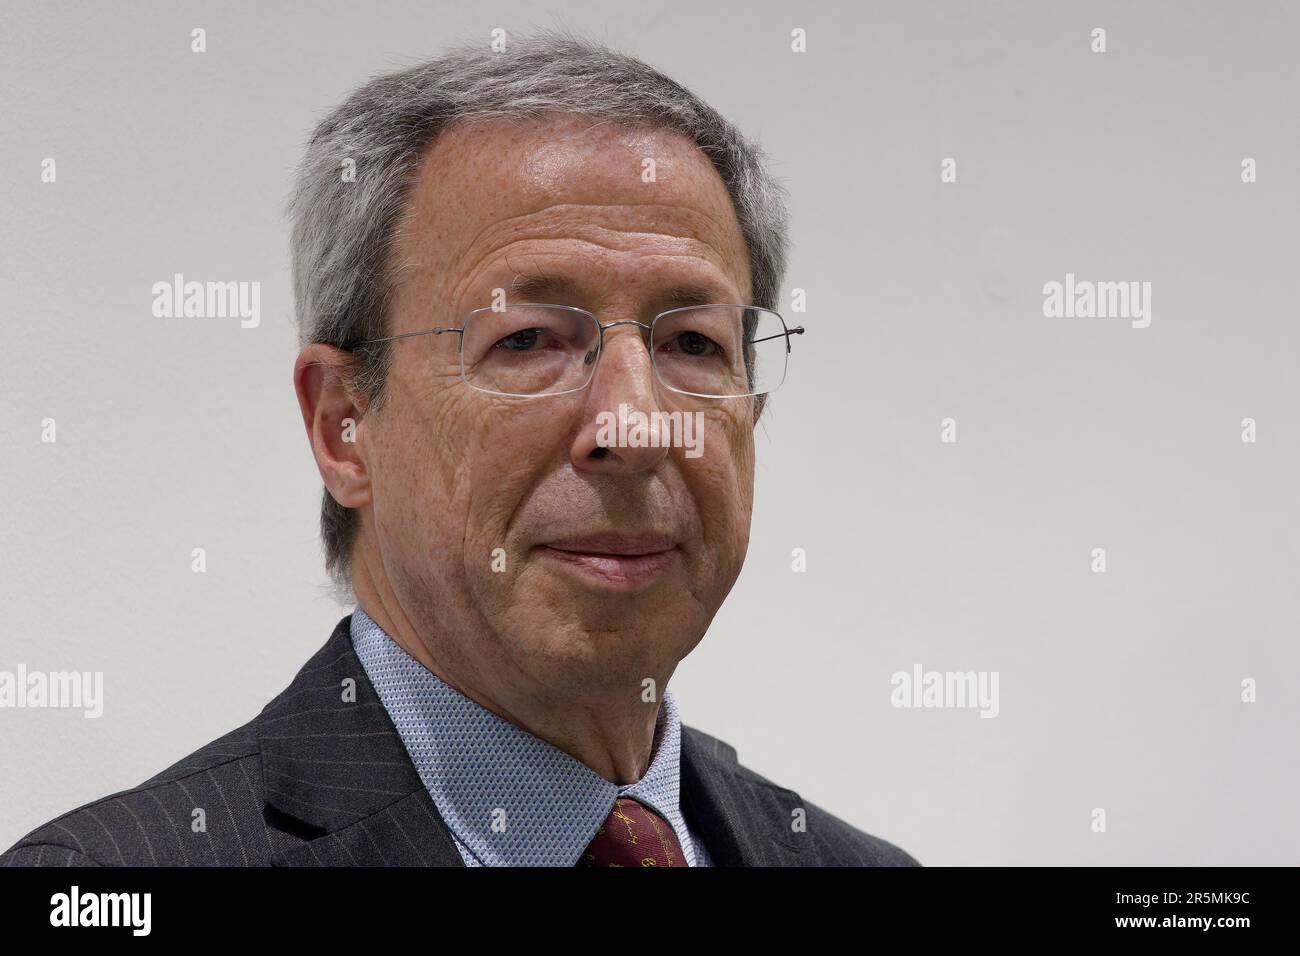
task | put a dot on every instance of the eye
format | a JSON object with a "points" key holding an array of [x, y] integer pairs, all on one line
{"points": [[694, 343], [522, 341]]}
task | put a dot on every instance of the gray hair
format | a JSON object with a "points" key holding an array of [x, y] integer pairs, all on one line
{"points": [[343, 231]]}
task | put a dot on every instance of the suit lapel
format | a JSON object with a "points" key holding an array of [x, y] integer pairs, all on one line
{"points": [[337, 774], [743, 819]]}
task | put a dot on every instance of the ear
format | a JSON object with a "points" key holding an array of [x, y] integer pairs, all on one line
{"points": [[332, 416]]}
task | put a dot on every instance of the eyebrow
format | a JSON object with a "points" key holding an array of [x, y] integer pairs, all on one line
{"points": [[541, 288]]}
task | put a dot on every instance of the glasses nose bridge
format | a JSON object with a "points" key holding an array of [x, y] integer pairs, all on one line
{"points": [[645, 329], [604, 327]]}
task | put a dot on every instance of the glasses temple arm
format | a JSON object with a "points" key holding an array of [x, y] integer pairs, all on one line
{"points": [[407, 335], [797, 330]]}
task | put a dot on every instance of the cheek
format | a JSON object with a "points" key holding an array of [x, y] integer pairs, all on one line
{"points": [[723, 479], [420, 484], [505, 451]]}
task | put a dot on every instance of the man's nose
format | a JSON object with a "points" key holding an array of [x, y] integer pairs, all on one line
{"points": [[622, 389]]}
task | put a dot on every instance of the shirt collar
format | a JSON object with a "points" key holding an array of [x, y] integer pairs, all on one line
{"points": [[509, 797]]}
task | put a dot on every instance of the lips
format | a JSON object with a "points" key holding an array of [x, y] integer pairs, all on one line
{"points": [[615, 544], [617, 561]]}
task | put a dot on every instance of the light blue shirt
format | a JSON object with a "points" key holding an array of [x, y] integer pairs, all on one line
{"points": [[510, 798]]}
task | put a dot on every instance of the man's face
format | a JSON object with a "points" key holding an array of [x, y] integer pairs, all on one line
{"points": [[457, 474]]}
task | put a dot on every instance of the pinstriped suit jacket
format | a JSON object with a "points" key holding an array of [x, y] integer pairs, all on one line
{"points": [[316, 781]]}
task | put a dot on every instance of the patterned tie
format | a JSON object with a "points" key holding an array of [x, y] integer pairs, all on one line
{"points": [[633, 835]]}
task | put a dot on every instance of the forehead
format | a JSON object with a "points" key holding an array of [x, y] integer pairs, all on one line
{"points": [[644, 202]]}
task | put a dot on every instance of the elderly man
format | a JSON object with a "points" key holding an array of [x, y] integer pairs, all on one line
{"points": [[497, 256]]}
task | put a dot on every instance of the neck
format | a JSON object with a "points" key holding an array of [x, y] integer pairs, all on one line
{"points": [[610, 732]]}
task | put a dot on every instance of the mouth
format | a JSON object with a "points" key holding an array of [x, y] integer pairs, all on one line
{"points": [[616, 561]]}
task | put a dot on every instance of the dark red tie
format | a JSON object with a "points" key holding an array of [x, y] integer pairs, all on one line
{"points": [[633, 835]]}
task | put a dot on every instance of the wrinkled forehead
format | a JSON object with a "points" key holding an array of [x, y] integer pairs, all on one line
{"points": [[484, 185]]}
